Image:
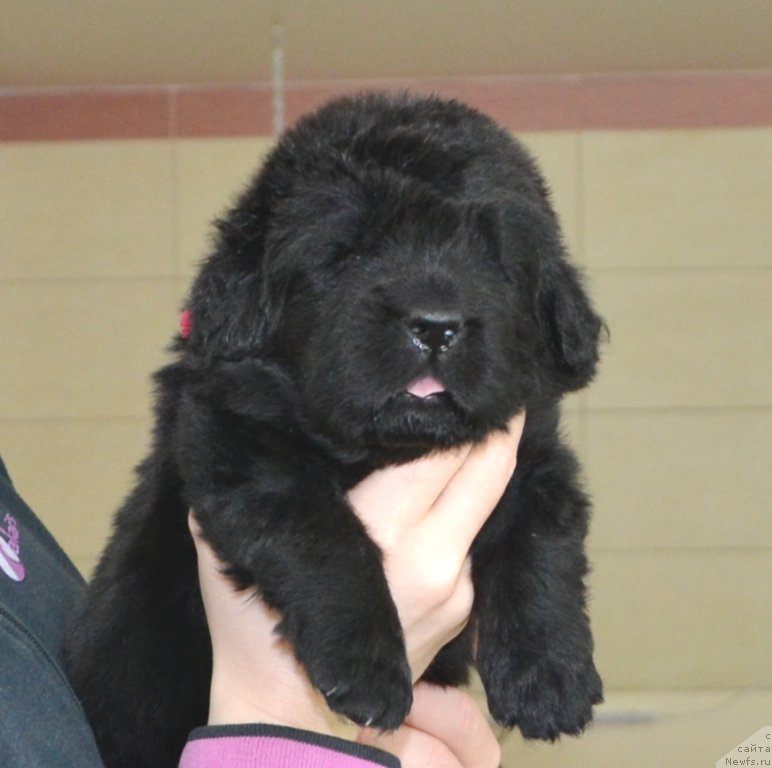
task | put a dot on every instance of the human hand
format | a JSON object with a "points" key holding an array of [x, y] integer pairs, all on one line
{"points": [[424, 516], [445, 729]]}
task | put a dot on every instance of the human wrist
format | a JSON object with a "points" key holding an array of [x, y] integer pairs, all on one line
{"points": [[281, 700], [283, 697]]}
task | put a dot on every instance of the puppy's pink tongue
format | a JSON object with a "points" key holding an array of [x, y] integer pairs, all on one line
{"points": [[426, 386]]}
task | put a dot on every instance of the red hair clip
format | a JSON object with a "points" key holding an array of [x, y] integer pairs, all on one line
{"points": [[186, 323]]}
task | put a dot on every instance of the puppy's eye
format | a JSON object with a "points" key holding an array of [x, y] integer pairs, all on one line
{"points": [[341, 259], [345, 256]]}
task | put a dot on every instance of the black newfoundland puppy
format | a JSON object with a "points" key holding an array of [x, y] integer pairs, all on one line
{"points": [[392, 282]]}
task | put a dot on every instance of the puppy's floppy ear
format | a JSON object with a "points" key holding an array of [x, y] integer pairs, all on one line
{"points": [[569, 326], [232, 306], [526, 236]]}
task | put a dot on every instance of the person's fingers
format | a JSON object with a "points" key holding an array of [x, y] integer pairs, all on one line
{"points": [[208, 563], [445, 729], [193, 526], [471, 494], [206, 558], [414, 748], [452, 716], [400, 496]]}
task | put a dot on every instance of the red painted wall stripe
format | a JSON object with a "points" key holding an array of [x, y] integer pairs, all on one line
{"points": [[208, 113], [677, 101], [720, 100], [84, 115]]}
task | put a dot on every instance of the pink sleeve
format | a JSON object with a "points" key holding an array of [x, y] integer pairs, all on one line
{"points": [[273, 746]]}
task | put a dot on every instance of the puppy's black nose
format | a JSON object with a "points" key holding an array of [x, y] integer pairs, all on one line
{"points": [[434, 331]]}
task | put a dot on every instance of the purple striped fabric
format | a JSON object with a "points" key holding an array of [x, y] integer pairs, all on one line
{"points": [[273, 747]]}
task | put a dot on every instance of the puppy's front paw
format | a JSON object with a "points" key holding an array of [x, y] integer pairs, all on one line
{"points": [[545, 700], [371, 692], [375, 690]]}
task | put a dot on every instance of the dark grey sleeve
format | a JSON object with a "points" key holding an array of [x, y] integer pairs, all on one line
{"points": [[41, 721]]}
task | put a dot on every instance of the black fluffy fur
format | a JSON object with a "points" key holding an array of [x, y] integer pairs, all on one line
{"points": [[372, 216]]}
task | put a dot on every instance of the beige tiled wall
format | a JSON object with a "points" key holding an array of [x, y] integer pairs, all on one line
{"points": [[670, 199], [97, 244], [676, 443], [209, 174], [87, 210], [675, 231]]}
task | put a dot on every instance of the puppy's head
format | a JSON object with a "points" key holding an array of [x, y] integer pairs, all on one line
{"points": [[399, 260]]}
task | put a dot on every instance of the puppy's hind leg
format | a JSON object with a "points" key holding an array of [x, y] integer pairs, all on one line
{"points": [[138, 652]]}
